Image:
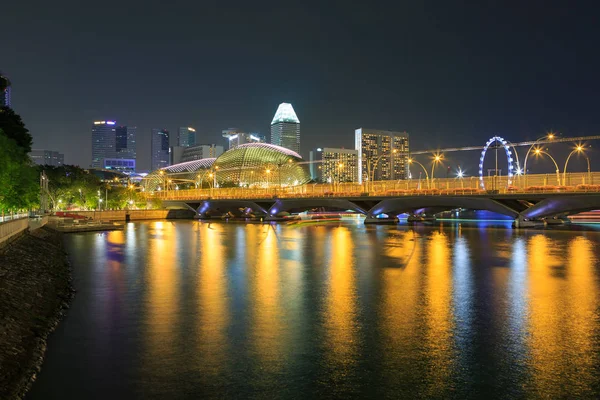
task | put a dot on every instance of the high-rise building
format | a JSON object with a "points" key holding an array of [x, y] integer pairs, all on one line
{"points": [[125, 147], [125, 165], [160, 148], [382, 155], [103, 142], [201, 151], [334, 165], [47, 157], [186, 136], [5, 94], [235, 137], [285, 128]]}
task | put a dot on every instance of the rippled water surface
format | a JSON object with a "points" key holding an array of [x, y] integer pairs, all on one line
{"points": [[190, 309]]}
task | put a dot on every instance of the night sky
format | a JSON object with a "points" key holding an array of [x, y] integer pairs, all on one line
{"points": [[448, 72]]}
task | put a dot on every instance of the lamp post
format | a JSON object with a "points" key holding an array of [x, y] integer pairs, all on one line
{"points": [[372, 173], [539, 151], [162, 176], [549, 136], [578, 149], [340, 166], [268, 172], [410, 161], [436, 160]]}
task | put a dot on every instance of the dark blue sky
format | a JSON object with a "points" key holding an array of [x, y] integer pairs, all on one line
{"points": [[448, 72]]}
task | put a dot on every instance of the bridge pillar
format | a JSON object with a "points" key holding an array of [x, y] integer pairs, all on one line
{"points": [[522, 222]]}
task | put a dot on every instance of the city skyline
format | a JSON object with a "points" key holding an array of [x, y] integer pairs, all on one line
{"points": [[451, 76]]}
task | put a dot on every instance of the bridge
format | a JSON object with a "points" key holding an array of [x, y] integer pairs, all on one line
{"points": [[524, 198]]}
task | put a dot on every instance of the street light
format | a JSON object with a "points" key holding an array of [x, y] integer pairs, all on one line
{"points": [[539, 151], [549, 136], [371, 174], [436, 160], [578, 149], [268, 172], [410, 161]]}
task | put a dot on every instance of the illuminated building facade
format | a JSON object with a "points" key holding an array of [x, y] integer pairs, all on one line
{"points": [[119, 164], [47, 157], [285, 128], [186, 136], [262, 165], [250, 165], [5, 94], [201, 151], [125, 146], [382, 155], [103, 142], [160, 148], [235, 137], [334, 165]]}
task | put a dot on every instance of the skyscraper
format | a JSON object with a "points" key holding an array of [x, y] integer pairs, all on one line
{"points": [[334, 165], [160, 148], [285, 128], [382, 155], [235, 137], [125, 146], [103, 142], [5, 94], [186, 137], [47, 157]]}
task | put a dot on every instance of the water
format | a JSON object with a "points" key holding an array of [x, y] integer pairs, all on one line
{"points": [[188, 309]]}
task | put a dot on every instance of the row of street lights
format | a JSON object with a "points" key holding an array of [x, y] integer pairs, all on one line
{"points": [[537, 151]]}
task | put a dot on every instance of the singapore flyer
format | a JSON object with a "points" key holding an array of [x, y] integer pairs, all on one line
{"points": [[504, 144]]}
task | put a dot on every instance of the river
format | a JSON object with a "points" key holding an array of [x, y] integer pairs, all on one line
{"points": [[190, 309]]}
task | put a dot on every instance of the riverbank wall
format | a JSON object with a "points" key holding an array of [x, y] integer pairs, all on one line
{"points": [[35, 290], [134, 215]]}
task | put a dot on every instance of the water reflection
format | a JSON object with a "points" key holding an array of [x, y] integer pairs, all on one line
{"points": [[162, 306], [193, 310], [213, 313], [438, 311], [563, 317], [340, 310]]}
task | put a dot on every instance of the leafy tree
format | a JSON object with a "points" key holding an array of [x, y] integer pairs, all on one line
{"points": [[71, 185], [18, 178], [14, 128]]}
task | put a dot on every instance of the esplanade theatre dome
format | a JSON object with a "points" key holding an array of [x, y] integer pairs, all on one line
{"points": [[260, 165], [248, 165]]}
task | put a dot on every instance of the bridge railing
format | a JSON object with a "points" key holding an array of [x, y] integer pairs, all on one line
{"points": [[539, 183]]}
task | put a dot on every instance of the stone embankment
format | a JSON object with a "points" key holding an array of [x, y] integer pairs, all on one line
{"points": [[35, 290]]}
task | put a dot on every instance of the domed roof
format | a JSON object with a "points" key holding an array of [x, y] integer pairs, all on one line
{"points": [[271, 147], [260, 164]]}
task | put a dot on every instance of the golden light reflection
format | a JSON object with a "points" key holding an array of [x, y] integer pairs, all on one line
{"points": [[438, 304], [340, 315], [268, 328], [213, 302], [400, 309], [163, 300], [563, 293]]}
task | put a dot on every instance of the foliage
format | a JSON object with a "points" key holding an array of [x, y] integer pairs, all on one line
{"points": [[14, 128], [72, 187], [18, 178]]}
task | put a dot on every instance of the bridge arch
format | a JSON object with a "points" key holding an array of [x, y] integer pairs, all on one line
{"points": [[567, 204], [410, 204], [299, 205], [506, 146]]}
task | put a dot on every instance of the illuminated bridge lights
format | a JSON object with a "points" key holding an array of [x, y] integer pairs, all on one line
{"points": [[508, 156]]}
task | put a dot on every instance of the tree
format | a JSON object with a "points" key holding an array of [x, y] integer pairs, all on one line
{"points": [[71, 185], [14, 128], [18, 178], [4, 82]]}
